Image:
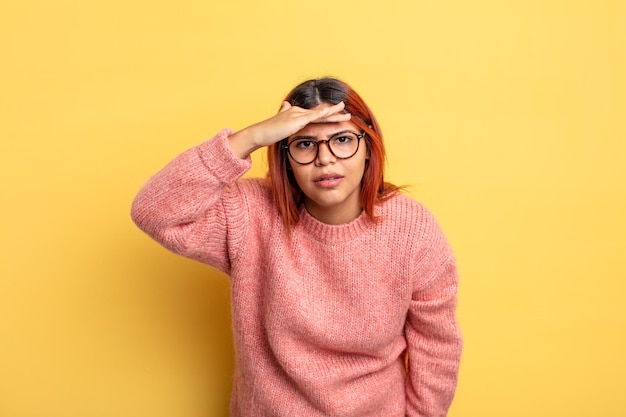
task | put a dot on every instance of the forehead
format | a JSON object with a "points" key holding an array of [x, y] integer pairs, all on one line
{"points": [[326, 129]]}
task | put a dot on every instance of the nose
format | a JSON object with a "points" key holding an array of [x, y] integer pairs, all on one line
{"points": [[324, 155]]}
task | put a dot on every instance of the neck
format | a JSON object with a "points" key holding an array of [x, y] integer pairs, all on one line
{"points": [[333, 216]]}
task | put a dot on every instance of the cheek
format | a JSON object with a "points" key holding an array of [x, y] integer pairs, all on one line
{"points": [[359, 165], [300, 174]]}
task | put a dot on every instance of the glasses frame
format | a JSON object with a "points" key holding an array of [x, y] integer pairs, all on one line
{"points": [[286, 144]]}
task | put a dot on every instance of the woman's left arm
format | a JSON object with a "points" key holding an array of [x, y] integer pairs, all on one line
{"points": [[433, 336]]}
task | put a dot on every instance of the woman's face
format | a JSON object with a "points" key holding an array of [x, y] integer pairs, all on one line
{"points": [[331, 186]]}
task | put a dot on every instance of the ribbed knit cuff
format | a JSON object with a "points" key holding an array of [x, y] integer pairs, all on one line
{"points": [[218, 157]]}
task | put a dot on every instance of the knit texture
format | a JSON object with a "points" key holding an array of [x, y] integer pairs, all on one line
{"points": [[324, 316]]}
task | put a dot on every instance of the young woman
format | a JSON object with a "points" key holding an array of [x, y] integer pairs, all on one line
{"points": [[343, 289]]}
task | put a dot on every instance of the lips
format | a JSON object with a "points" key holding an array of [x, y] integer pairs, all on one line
{"points": [[327, 177], [328, 180]]}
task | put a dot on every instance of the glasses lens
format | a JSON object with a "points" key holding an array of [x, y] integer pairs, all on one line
{"points": [[303, 150], [343, 146]]}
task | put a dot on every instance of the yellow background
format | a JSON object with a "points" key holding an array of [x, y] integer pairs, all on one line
{"points": [[505, 117]]}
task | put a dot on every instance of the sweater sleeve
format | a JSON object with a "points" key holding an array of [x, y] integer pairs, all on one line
{"points": [[434, 340], [193, 206]]}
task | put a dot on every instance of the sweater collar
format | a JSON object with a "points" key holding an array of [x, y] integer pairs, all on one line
{"points": [[330, 233]]}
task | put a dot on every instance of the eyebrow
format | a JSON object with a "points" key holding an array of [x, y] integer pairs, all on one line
{"points": [[329, 136]]}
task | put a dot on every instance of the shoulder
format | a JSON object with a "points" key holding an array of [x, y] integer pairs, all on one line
{"points": [[403, 209], [416, 229], [257, 194], [254, 186], [410, 219], [248, 211]]}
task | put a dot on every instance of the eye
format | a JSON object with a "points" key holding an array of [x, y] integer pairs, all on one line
{"points": [[343, 140], [303, 144]]}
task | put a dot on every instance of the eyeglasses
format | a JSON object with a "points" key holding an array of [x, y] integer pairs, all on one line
{"points": [[304, 149]]}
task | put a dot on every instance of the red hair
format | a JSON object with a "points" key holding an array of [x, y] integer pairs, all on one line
{"points": [[287, 194]]}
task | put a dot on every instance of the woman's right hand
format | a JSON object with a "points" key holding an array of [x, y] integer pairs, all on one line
{"points": [[289, 120]]}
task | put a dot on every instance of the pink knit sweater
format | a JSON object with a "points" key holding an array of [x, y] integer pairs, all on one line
{"points": [[325, 317]]}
